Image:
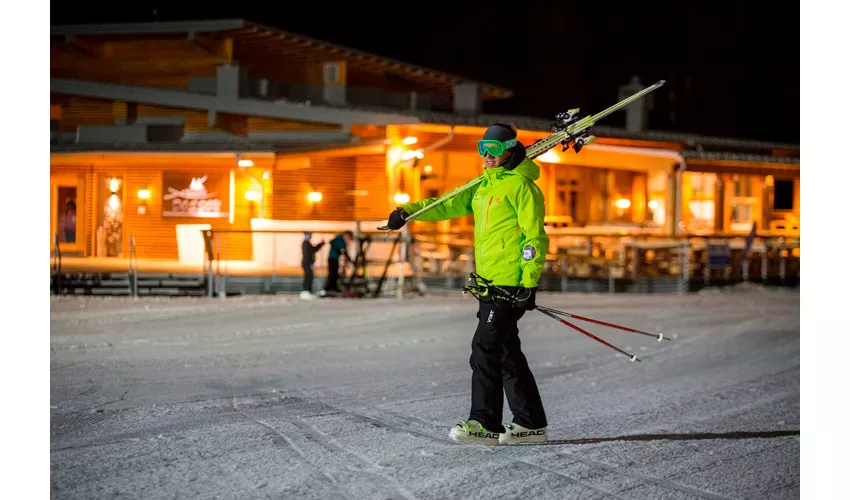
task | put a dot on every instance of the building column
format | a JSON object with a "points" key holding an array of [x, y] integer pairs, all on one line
{"points": [[719, 205], [670, 205]]}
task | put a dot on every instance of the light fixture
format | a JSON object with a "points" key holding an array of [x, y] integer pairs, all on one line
{"points": [[427, 169], [401, 198], [394, 154], [114, 202], [410, 140], [314, 197], [144, 195], [653, 204], [623, 203], [253, 195], [245, 163], [114, 184], [267, 174]]}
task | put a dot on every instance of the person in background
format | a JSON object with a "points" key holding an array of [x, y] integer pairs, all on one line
{"points": [[70, 221], [308, 257], [339, 248]]}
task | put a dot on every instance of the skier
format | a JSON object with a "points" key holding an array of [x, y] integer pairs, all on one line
{"points": [[308, 256], [510, 249], [338, 249]]}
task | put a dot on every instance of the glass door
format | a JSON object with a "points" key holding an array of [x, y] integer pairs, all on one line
{"points": [[66, 214]]}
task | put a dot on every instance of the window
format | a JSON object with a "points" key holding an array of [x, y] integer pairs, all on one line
{"points": [[66, 214], [331, 74], [701, 203], [783, 195]]}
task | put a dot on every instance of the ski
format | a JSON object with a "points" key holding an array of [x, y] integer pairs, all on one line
{"points": [[569, 132]]}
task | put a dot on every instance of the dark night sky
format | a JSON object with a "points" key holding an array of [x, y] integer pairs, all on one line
{"points": [[734, 70]]}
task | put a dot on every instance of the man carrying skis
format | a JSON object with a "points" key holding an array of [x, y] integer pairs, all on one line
{"points": [[510, 250]]}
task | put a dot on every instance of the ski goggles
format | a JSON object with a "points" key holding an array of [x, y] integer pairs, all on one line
{"points": [[493, 147]]}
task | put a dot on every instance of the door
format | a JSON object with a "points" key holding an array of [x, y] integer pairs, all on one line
{"points": [[67, 214]]}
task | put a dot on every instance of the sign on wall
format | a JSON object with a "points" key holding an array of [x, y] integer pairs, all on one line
{"points": [[186, 194]]}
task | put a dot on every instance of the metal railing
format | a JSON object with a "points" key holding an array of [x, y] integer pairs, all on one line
{"points": [[56, 269], [133, 268], [388, 262], [589, 262]]}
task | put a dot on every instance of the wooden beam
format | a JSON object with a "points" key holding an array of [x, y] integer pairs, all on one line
{"points": [[233, 124], [220, 48], [86, 47]]}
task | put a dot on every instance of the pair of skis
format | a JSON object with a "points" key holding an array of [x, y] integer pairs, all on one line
{"points": [[484, 286], [569, 131]]}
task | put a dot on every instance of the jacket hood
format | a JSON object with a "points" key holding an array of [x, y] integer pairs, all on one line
{"points": [[527, 169]]}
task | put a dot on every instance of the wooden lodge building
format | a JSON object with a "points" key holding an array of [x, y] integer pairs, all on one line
{"points": [[160, 128]]}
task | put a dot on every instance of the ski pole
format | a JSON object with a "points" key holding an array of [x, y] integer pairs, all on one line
{"points": [[504, 295], [632, 357], [658, 336]]}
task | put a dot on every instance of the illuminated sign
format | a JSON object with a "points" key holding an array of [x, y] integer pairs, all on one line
{"points": [[192, 195]]}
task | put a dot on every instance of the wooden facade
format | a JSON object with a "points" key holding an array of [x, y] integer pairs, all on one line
{"points": [[624, 182]]}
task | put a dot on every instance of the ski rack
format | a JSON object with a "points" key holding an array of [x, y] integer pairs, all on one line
{"points": [[569, 132], [359, 284]]}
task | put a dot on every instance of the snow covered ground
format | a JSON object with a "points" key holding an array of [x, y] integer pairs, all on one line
{"points": [[269, 397]]}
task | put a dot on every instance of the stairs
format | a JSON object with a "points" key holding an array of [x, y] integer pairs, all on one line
{"points": [[121, 283]]}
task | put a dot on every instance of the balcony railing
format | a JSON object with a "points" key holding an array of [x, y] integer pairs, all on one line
{"points": [[352, 95], [589, 262]]}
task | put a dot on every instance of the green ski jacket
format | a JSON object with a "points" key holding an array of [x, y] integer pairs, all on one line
{"points": [[508, 207]]}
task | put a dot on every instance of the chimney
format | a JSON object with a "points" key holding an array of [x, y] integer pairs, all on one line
{"points": [[467, 98], [334, 82], [637, 113], [231, 81]]}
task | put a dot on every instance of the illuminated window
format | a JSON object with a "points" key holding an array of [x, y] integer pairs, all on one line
{"points": [[700, 205]]}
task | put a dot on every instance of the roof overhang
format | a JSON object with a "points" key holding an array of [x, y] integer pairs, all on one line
{"points": [[331, 150], [726, 163], [217, 104], [162, 159], [273, 40], [157, 28]]}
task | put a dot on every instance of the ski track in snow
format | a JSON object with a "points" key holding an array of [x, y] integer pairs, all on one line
{"points": [[269, 397]]}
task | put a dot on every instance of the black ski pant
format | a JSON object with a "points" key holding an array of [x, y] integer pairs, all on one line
{"points": [[308, 277], [332, 284], [499, 368]]}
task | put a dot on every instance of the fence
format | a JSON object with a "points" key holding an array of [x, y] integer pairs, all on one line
{"points": [[589, 262]]}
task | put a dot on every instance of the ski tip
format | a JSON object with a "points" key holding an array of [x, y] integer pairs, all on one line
{"points": [[661, 82]]}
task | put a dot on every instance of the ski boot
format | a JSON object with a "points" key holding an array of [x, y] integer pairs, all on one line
{"points": [[470, 431], [517, 434]]}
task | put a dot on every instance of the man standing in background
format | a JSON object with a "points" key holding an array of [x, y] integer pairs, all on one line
{"points": [[339, 248], [308, 256]]}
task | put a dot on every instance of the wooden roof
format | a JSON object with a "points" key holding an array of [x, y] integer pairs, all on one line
{"points": [[270, 40]]}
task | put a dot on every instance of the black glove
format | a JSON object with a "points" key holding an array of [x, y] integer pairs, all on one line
{"points": [[396, 219], [525, 298]]}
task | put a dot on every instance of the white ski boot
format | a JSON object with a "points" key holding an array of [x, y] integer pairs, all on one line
{"points": [[306, 295], [470, 431], [517, 434]]}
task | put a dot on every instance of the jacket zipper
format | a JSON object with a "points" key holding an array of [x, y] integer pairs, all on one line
{"points": [[487, 217]]}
